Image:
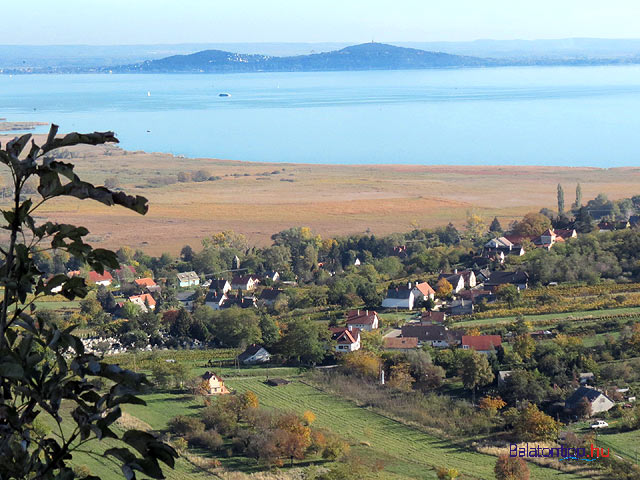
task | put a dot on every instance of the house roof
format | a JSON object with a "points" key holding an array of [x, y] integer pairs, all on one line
{"points": [[207, 375], [345, 336], [400, 293], [145, 298], [452, 278], [502, 278], [270, 293], [95, 277], [187, 276], [250, 351], [590, 393], [361, 317], [215, 296], [401, 342], [499, 242], [145, 282], [565, 233], [433, 317], [481, 342], [243, 279], [429, 333], [218, 284], [473, 294], [425, 289]]}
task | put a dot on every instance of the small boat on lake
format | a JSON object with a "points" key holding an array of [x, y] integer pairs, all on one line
{"points": [[224, 94]]}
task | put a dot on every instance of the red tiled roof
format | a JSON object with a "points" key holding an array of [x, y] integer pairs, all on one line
{"points": [[344, 335], [144, 298], [95, 277], [481, 342], [425, 289], [145, 282]]}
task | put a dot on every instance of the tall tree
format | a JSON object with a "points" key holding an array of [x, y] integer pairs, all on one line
{"points": [[495, 225], [43, 367], [578, 203], [560, 200], [476, 372]]}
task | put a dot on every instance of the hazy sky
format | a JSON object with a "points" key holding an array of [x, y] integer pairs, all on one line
{"points": [[202, 21]]}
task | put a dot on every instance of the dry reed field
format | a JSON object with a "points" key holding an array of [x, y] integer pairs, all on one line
{"points": [[260, 199]]}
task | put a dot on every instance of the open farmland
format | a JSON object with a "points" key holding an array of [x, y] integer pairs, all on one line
{"points": [[260, 199]]}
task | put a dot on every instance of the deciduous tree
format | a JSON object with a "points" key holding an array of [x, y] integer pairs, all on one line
{"points": [[43, 366]]}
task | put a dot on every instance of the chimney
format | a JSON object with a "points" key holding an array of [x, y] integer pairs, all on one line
{"points": [[350, 328], [409, 285], [455, 270], [366, 312]]}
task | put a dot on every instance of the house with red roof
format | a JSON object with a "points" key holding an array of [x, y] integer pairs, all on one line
{"points": [[104, 279], [145, 282], [366, 320], [423, 290], [481, 343], [143, 301], [346, 340]]}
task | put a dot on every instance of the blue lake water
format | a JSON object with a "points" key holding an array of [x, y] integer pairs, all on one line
{"points": [[575, 116]]}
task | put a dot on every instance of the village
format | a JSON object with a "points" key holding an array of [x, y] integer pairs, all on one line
{"points": [[528, 333]]}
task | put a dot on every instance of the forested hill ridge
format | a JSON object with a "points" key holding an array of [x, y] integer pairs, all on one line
{"points": [[367, 56]]}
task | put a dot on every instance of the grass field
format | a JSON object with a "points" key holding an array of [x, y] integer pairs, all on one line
{"points": [[407, 451], [565, 316], [333, 199]]}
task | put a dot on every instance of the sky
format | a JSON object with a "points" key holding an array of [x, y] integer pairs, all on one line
{"points": [[122, 22]]}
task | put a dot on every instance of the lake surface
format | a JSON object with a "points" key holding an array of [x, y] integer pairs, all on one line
{"points": [[574, 116]]}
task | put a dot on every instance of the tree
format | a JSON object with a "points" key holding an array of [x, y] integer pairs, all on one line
{"points": [[400, 378], [560, 200], [511, 468], [508, 293], [491, 404], [532, 425], [524, 346], [42, 366], [583, 408], [362, 363], [111, 183], [304, 341], [495, 226], [476, 372], [532, 225], [443, 288], [445, 473], [578, 202]]}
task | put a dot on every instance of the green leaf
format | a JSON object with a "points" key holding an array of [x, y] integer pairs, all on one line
{"points": [[9, 368]]}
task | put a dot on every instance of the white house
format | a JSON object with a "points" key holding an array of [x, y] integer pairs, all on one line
{"points": [[423, 290], [215, 299], [220, 284], [599, 401], [143, 301], [245, 282], [213, 384], [400, 297], [253, 355], [346, 340], [105, 279], [366, 320], [188, 279]]}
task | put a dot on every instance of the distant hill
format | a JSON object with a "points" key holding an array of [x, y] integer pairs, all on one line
{"points": [[367, 56]]}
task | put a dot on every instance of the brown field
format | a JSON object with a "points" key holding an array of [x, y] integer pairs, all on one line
{"points": [[331, 199]]}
